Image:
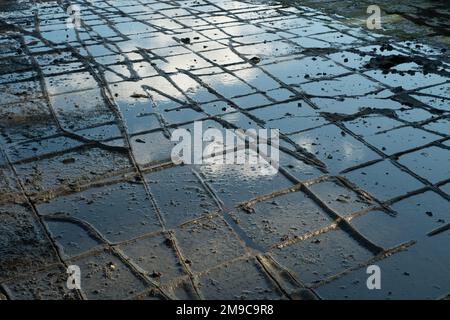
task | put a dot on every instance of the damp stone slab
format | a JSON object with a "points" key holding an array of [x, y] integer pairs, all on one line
{"points": [[87, 118]]}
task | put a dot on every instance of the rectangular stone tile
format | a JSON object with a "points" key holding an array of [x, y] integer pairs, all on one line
{"points": [[258, 38], [8, 182], [446, 188], [352, 85], [236, 183], [289, 22], [426, 278], [441, 126], [298, 168], [57, 67], [435, 102], [303, 70], [406, 81], [442, 90], [367, 126], [136, 121], [166, 23], [107, 134], [192, 88], [291, 125], [70, 82], [340, 198], [104, 277], [207, 46], [307, 42], [217, 108], [182, 291], [181, 115], [251, 101], [71, 238], [207, 243], [383, 180], [297, 108], [24, 244], [242, 30], [312, 27], [350, 59], [414, 114], [401, 139], [151, 148], [156, 256], [179, 195], [19, 92], [430, 163], [241, 121], [298, 46], [143, 68], [415, 217], [227, 283], [50, 284], [188, 61], [281, 218], [227, 85], [257, 78], [281, 94], [70, 169], [337, 38], [40, 148], [118, 212], [79, 110], [322, 256], [275, 48], [129, 28], [334, 147]]}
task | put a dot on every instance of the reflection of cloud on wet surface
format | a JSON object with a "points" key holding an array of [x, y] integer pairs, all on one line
{"points": [[86, 118], [262, 166]]}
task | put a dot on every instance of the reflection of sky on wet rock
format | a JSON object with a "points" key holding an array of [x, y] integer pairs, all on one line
{"points": [[217, 166], [86, 118]]}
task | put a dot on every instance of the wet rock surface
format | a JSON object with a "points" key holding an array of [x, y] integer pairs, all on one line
{"points": [[86, 176], [411, 20]]}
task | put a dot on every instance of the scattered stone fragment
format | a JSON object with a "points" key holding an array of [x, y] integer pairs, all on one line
{"points": [[185, 40], [255, 60]]}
